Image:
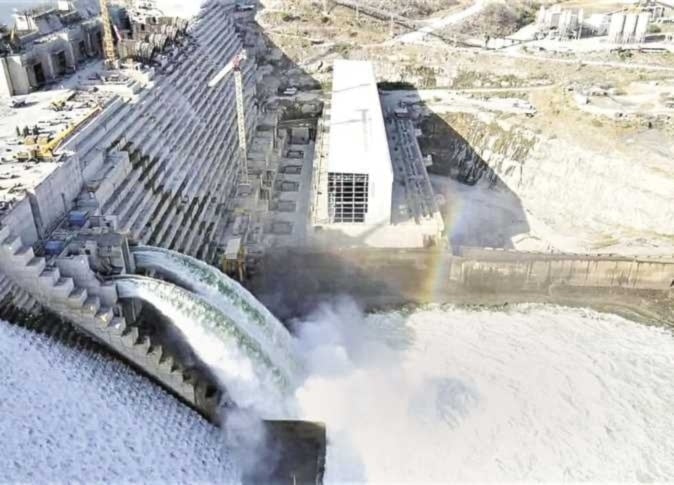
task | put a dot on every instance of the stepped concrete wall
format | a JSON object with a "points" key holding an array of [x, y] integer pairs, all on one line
{"points": [[21, 220], [54, 196], [81, 299], [164, 160], [14, 300]]}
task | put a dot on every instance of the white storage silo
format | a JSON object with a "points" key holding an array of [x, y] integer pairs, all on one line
{"points": [[643, 21], [630, 27], [615, 29]]}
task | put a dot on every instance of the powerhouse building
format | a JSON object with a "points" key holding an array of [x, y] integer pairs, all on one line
{"points": [[365, 196], [360, 177]]}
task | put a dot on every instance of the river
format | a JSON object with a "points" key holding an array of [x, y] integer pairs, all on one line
{"points": [[436, 394]]}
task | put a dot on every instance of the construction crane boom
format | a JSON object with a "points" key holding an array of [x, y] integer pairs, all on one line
{"points": [[235, 65], [241, 118], [108, 41]]}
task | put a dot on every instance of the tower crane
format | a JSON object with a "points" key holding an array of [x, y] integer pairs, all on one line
{"points": [[240, 115], [235, 65], [109, 52]]}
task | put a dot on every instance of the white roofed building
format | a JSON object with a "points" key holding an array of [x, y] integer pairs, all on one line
{"points": [[363, 195], [360, 177]]}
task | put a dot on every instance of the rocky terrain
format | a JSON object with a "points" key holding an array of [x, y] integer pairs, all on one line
{"points": [[532, 162]]}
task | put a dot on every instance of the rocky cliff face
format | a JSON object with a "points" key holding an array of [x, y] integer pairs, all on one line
{"points": [[575, 198]]}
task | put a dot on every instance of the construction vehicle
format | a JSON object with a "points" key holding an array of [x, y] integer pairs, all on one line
{"points": [[42, 147], [60, 104]]}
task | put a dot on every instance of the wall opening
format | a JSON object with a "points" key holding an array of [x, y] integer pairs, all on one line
{"points": [[60, 63], [39, 74], [347, 197]]}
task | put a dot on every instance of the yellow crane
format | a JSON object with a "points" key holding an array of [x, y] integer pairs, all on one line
{"points": [[42, 148], [109, 52], [233, 261]]}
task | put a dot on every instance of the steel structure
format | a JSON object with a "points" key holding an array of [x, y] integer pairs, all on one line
{"points": [[109, 51], [241, 115]]}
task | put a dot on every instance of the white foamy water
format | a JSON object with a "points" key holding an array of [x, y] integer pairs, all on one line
{"points": [[434, 395], [69, 415], [535, 393]]}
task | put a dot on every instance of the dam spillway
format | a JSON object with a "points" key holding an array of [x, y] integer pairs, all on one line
{"points": [[198, 153], [156, 159], [249, 374], [158, 162], [227, 295]]}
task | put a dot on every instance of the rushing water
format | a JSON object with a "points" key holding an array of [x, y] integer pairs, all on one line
{"points": [[531, 393], [449, 394], [249, 374], [234, 300], [439, 394]]}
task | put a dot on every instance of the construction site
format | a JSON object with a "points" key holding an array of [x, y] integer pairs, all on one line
{"points": [[222, 170], [358, 144]]}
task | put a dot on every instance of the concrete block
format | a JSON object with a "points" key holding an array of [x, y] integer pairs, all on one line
{"points": [[92, 304], [37, 266], [24, 255], [77, 298], [116, 326], [105, 315], [143, 346], [108, 293], [5, 231], [116, 343], [63, 288], [130, 337], [167, 364], [49, 277], [12, 244], [155, 354]]}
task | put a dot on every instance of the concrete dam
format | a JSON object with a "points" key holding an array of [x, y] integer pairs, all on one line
{"points": [[131, 168], [178, 215], [159, 158], [636, 287]]}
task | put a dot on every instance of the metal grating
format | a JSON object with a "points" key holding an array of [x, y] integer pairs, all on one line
{"points": [[347, 197]]}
